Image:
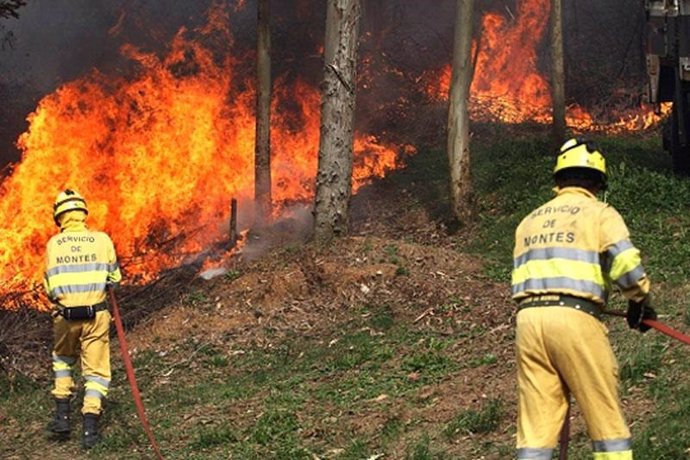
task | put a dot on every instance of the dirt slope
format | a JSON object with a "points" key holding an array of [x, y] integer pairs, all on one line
{"points": [[430, 287]]}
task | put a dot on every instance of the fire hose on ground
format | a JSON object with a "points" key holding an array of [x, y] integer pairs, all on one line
{"points": [[654, 324], [129, 369]]}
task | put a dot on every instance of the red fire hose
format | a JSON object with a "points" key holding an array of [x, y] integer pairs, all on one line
{"points": [[661, 327], [129, 368]]}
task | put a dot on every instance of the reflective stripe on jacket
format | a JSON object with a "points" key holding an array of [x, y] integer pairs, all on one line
{"points": [[576, 245], [80, 263]]}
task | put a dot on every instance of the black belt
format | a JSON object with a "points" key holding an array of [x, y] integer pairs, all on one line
{"points": [[82, 312], [560, 300]]}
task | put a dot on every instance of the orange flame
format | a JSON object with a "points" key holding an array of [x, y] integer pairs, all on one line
{"points": [[507, 85], [159, 156], [506, 68]]}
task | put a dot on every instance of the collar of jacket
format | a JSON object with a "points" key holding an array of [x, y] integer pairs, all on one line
{"points": [[73, 223], [574, 190]]}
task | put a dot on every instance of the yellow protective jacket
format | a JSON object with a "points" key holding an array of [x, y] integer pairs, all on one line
{"points": [[79, 264], [576, 245]]}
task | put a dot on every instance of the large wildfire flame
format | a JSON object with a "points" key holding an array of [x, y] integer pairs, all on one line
{"points": [[507, 86], [159, 157]]}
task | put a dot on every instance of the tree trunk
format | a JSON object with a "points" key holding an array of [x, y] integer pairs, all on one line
{"points": [[334, 176], [458, 114], [262, 149], [557, 73]]}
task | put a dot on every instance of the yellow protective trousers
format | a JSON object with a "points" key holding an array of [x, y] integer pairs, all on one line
{"points": [[563, 351], [90, 341]]}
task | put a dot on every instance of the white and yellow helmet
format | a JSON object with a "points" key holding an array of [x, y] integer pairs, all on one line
{"points": [[66, 201], [582, 154]]}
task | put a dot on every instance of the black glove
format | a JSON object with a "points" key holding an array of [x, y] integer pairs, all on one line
{"points": [[637, 312]]}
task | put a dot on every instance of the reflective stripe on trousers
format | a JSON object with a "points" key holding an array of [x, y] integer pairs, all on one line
{"points": [[613, 449], [534, 453], [617, 449]]}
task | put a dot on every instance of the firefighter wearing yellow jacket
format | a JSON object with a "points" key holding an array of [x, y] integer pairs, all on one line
{"points": [[568, 253], [80, 265]]}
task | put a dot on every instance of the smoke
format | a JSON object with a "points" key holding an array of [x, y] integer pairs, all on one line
{"points": [[58, 41]]}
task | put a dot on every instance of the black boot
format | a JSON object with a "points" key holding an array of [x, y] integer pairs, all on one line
{"points": [[91, 436], [60, 423]]}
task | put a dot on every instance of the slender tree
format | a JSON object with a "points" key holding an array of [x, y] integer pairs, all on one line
{"points": [[557, 73], [262, 149], [334, 175], [458, 113]]}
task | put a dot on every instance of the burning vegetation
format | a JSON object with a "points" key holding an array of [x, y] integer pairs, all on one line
{"points": [[507, 86], [160, 154], [160, 148]]}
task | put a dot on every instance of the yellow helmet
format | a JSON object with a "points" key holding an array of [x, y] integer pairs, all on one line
{"points": [[69, 200], [581, 154]]}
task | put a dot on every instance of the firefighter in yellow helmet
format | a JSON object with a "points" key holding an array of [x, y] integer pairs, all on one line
{"points": [[568, 253], [80, 265]]}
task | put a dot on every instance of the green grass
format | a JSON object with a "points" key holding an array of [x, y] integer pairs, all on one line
{"points": [[422, 450], [484, 420]]}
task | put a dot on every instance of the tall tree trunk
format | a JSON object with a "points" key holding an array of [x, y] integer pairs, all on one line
{"points": [[334, 176], [557, 73], [458, 114], [262, 149]]}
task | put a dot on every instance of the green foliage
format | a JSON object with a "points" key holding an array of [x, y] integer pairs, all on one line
{"points": [[232, 275], [645, 358], [212, 436], [196, 297], [430, 363], [213, 356], [422, 450], [429, 359], [391, 250], [393, 257], [12, 386], [355, 451], [488, 358], [484, 420], [353, 351], [274, 425], [392, 428], [666, 435], [382, 318]]}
